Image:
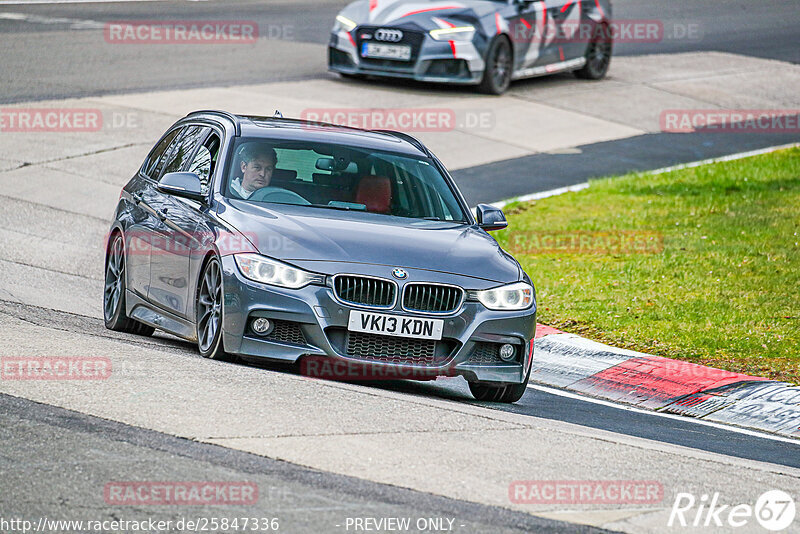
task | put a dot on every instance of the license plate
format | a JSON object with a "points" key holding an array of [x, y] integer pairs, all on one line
{"points": [[395, 325], [385, 51]]}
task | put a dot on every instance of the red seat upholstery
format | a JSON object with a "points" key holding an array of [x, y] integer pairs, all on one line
{"points": [[375, 192]]}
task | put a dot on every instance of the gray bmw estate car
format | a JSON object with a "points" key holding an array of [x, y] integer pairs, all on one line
{"points": [[487, 43], [279, 239]]}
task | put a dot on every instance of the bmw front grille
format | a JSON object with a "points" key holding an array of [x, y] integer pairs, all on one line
{"points": [[432, 298], [365, 291]]}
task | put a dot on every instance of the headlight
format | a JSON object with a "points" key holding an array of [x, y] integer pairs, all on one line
{"points": [[343, 23], [458, 33], [516, 296], [268, 271]]}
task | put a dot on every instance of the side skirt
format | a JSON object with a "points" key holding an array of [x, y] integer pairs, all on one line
{"points": [[543, 70], [143, 311]]}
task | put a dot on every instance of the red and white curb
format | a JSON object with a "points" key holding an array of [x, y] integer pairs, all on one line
{"points": [[670, 386]]}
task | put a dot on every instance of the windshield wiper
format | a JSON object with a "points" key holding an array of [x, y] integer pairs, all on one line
{"points": [[444, 220], [334, 207]]}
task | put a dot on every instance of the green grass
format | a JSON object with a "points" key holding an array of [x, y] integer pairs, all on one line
{"points": [[722, 292]]}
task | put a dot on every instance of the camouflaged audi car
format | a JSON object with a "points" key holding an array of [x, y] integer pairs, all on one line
{"points": [[487, 43]]}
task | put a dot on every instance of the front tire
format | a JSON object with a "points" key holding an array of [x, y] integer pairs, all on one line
{"points": [[209, 312], [507, 393], [114, 314], [598, 55], [499, 63]]}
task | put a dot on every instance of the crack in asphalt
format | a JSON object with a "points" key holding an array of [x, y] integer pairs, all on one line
{"points": [[62, 210], [84, 324], [511, 426], [74, 156], [4, 260]]}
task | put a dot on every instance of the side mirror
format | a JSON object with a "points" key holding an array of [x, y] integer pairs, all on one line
{"points": [[182, 184], [490, 218]]}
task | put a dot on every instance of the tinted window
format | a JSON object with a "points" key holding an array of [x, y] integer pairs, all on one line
{"points": [[176, 157], [158, 151], [205, 160]]}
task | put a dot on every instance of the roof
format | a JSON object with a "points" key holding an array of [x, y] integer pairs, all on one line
{"points": [[301, 130]]}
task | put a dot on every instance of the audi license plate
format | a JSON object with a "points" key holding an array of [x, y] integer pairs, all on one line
{"points": [[386, 51], [395, 325]]}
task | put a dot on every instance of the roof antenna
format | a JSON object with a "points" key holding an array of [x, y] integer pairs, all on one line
{"points": [[277, 114]]}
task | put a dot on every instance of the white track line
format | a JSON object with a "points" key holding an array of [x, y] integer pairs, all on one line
{"points": [[731, 157], [584, 185], [542, 194], [75, 24], [41, 2], [684, 418]]}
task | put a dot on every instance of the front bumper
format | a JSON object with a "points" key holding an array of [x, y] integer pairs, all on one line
{"points": [[323, 323], [435, 61]]}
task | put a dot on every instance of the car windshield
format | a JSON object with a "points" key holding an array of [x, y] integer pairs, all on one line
{"points": [[327, 176]]}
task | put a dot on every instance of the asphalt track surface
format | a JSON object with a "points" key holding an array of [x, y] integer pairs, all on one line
{"points": [[70, 453], [88, 450], [536, 402]]}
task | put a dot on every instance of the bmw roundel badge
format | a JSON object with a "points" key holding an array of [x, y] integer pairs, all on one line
{"points": [[400, 274]]}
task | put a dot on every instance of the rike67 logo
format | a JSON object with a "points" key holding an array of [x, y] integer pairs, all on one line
{"points": [[774, 510]]}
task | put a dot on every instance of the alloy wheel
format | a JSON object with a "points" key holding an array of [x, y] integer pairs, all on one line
{"points": [[115, 275], [501, 66], [209, 306], [599, 56]]}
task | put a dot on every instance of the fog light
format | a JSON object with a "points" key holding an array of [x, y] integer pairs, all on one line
{"points": [[507, 352], [261, 326]]}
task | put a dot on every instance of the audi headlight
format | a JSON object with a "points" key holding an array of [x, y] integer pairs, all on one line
{"points": [[273, 272], [516, 296], [343, 23], [457, 33]]}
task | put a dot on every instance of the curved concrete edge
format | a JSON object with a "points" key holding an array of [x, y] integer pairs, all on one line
{"points": [[575, 363]]}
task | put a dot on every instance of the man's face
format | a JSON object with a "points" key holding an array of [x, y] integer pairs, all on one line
{"points": [[257, 173]]}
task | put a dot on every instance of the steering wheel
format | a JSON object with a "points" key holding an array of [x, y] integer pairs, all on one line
{"points": [[279, 195]]}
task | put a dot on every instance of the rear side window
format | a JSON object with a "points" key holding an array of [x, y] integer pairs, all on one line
{"points": [[205, 160], [155, 156]]}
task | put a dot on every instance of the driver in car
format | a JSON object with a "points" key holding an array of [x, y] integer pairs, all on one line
{"points": [[258, 163]]}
